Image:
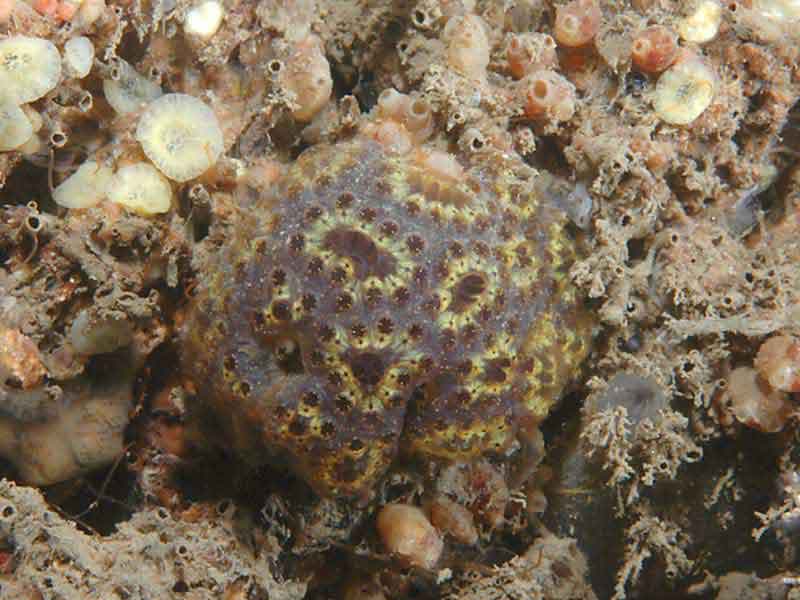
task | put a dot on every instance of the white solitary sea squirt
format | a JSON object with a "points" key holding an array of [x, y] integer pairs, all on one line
{"points": [[128, 90], [85, 187], [203, 19], [684, 90], [15, 127], [29, 68], [702, 24], [180, 134], [781, 10], [141, 189], [78, 56]]}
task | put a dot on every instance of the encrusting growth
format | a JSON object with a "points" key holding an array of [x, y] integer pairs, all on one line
{"points": [[384, 302]]}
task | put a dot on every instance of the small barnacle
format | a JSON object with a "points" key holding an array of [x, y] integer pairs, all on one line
{"points": [[128, 90], [577, 23], [414, 114], [58, 137], [778, 362], [203, 19], [180, 134], [467, 45], [418, 119], [78, 56], [654, 49], [408, 534], [684, 90], [29, 68], [402, 121], [392, 104], [15, 127], [85, 187], [85, 101], [472, 140], [424, 18], [549, 96], [141, 189], [702, 24]]}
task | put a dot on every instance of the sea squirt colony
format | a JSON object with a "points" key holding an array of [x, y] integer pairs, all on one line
{"points": [[376, 305]]}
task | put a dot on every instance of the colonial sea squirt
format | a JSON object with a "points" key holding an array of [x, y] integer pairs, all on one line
{"points": [[372, 306]]}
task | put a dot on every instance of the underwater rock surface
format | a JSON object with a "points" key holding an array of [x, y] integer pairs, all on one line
{"points": [[399, 300]]}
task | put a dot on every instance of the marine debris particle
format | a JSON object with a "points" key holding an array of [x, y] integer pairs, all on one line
{"points": [[377, 306]]}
